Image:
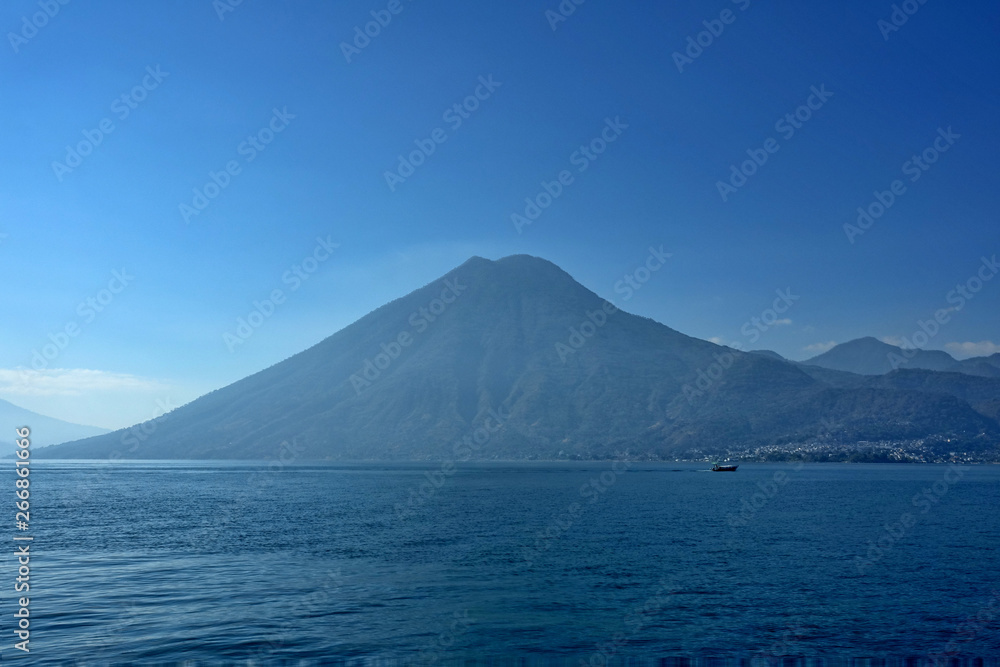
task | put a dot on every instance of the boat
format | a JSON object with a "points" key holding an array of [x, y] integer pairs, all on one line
{"points": [[717, 468]]}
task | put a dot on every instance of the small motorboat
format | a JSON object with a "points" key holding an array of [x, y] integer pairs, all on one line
{"points": [[717, 468]]}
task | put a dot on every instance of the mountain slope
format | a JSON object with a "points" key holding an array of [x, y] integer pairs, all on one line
{"points": [[981, 366], [44, 430], [768, 353], [870, 356], [520, 340], [982, 393]]}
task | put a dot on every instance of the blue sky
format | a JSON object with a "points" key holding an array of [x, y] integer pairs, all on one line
{"points": [[199, 81]]}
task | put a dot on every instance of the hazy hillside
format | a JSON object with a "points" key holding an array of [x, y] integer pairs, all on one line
{"points": [[870, 356], [982, 366], [523, 339], [982, 393], [44, 430], [769, 353]]}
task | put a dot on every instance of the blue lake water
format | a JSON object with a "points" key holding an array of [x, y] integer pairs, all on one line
{"points": [[145, 563]]}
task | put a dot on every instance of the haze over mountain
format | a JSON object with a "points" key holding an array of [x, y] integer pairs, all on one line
{"points": [[44, 430], [984, 366], [870, 356], [514, 359], [769, 353], [982, 393]]}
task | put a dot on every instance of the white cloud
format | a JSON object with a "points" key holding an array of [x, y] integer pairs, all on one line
{"points": [[718, 340], [895, 340], [782, 322], [983, 348], [819, 348], [69, 382]]}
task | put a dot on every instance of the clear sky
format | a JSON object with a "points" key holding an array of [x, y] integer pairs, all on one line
{"points": [[308, 129]]}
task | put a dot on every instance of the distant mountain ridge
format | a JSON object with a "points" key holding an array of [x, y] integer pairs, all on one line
{"points": [[44, 430], [870, 356], [513, 359]]}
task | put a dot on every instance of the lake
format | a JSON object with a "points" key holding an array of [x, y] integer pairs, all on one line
{"points": [[257, 563]]}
